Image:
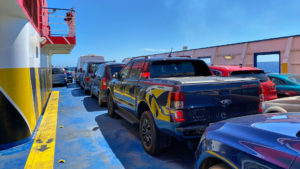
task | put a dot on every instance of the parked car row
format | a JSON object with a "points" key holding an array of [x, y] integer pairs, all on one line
{"points": [[179, 98]]}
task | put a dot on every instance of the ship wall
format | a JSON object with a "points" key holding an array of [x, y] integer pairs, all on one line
{"points": [[25, 78]]}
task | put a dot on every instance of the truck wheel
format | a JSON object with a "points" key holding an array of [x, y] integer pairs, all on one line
{"points": [[149, 134], [111, 107], [101, 104], [219, 166]]}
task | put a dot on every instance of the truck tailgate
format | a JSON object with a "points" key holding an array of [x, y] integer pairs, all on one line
{"points": [[214, 100]]}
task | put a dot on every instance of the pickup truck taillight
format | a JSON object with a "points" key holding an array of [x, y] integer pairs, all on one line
{"points": [[145, 75], [103, 84], [261, 99], [177, 102], [87, 79]]}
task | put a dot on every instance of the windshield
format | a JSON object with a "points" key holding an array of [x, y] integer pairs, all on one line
{"points": [[295, 78], [179, 68], [57, 71], [258, 74]]}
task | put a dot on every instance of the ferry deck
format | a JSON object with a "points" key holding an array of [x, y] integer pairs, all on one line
{"points": [[61, 127]]}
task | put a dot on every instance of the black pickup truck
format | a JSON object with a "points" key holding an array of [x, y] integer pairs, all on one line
{"points": [[177, 97]]}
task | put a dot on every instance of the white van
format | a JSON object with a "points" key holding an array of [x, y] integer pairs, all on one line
{"points": [[86, 58]]}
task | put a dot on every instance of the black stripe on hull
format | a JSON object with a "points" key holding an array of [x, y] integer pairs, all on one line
{"points": [[34, 93]]}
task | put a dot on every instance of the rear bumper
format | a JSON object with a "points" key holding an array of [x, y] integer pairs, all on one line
{"points": [[270, 97], [193, 131], [181, 131]]}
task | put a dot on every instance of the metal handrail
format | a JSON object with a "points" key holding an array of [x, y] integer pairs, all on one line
{"points": [[53, 23], [62, 9]]}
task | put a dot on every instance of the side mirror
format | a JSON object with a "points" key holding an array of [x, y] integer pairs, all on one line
{"points": [[116, 75]]}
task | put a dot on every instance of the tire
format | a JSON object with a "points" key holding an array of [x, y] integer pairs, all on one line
{"points": [[111, 107], [219, 166], [101, 104], [149, 134]]}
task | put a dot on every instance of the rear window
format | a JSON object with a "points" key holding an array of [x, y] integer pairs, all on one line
{"points": [[57, 71], [114, 69], [295, 79], [178, 68], [258, 74], [93, 67]]}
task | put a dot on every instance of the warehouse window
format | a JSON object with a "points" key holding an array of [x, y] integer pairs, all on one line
{"points": [[269, 62]]}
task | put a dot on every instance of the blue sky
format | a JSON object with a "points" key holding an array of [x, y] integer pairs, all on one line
{"points": [[123, 28]]}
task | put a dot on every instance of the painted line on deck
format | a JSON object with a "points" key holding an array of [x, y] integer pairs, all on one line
{"points": [[43, 148]]}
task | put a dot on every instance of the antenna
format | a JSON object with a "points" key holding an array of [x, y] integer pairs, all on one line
{"points": [[170, 53]]}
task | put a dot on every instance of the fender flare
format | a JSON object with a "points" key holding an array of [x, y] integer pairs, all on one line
{"points": [[275, 109]]}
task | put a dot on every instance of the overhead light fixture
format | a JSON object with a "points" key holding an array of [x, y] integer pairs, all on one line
{"points": [[227, 57]]}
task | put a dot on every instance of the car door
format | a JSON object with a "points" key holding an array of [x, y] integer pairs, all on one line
{"points": [[130, 85], [119, 86]]}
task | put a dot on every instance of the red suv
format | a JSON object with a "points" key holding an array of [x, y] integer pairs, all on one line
{"points": [[269, 89]]}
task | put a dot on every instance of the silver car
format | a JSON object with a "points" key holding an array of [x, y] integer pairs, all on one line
{"points": [[283, 105], [58, 76]]}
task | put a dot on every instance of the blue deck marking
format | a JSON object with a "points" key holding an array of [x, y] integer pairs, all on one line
{"points": [[80, 142]]}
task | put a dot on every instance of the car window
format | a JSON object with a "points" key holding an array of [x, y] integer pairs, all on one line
{"points": [[258, 74], [295, 79], [136, 70], [57, 71], [124, 72], [177, 68], [93, 67], [115, 68], [277, 81], [101, 70]]}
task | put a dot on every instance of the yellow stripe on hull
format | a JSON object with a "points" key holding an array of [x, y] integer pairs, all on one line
{"points": [[17, 84]]}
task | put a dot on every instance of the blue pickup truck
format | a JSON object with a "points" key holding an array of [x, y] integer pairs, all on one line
{"points": [[177, 97]]}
